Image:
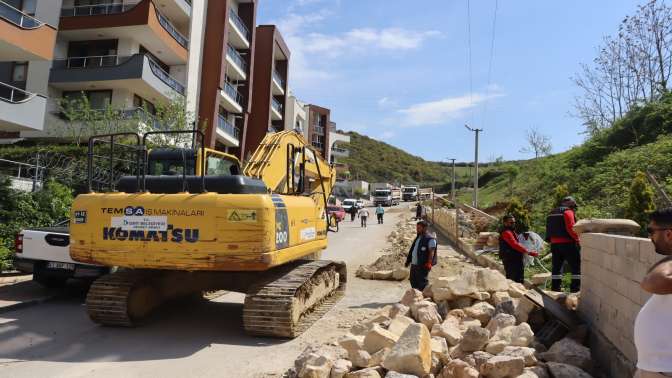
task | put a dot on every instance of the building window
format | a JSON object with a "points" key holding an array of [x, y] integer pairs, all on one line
{"points": [[139, 102], [97, 99], [20, 72]]}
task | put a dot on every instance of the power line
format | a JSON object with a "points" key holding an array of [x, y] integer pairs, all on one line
{"points": [[492, 55]]}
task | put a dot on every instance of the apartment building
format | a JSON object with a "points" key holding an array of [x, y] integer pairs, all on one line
{"points": [[317, 129], [130, 55], [270, 91], [28, 32], [295, 114]]}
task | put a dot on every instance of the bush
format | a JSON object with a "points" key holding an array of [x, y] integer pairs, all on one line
{"points": [[640, 201]]}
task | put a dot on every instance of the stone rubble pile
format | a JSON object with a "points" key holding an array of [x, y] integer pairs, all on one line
{"points": [[390, 266], [468, 325]]}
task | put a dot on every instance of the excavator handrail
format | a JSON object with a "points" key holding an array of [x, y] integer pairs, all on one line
{"points": [[195, 133], [90, 155]]}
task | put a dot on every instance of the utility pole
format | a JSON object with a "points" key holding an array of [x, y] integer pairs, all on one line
{"points": [[452, 184], [476, 132]]}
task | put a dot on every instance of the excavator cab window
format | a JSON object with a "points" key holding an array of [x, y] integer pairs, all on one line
{"points": [[217, 166]]}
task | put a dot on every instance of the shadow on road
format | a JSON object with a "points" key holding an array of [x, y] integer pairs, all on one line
{"points": [[60, 331], [374, 305]]}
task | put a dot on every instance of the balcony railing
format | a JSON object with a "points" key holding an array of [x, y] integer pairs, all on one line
{"points": [[227, 127], [240, 24], [277, 105], [339, 150], [232, 92], [318, 129], [142, 115], [236, 57], [278, 78], [165, 77], [96, 9], [168, 26], [18, 18], [84, 62], [13, 94]]}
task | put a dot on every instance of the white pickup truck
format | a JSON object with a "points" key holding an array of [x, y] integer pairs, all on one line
{"points": [[46, 253]]}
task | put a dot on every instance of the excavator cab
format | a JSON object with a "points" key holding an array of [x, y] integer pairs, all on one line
{"points": [[169, 162]]}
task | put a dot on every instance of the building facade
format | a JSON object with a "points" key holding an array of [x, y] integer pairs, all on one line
{"points": [[270, 91], [127, 55], [295, 114], [317, 128]]}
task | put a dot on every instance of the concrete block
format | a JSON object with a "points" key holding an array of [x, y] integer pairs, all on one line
{"points": [[647, 252], [620, 246], [632, 249], [622, 286], [639, 271], [634, 292]]}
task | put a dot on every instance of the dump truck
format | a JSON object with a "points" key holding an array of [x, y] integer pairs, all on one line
{"points": [[409, 192], [387, 196], [187, 220]]}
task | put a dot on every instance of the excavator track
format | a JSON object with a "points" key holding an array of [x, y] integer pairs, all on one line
{"points": [[289, 304], [109, 300]]}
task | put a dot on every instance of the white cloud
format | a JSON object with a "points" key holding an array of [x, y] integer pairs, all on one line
{"points": [[385, 135], [444, 110], [358, 40], [386, 103]]}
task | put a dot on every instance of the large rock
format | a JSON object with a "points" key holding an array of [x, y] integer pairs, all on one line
{"points": [[412, 354], [559, 370], [474, 339], [319, 367], [364, 273], [568, 351], [478, 358], [458, 369], [500, 321], [384, 275], [315, 357], [365, 373], [400, 274], [440, 349], [462, 284], [449, 330], [340, 368], [410, 297], [522, 309], [354, 346], [399, 309], [503, 367], [526, 353], [608, 226], [394, 374], [467, 323], [516, 290], [378, 338], [491, 280], [540, 278], [399, 324], [482, 311], [426, 313], [442, 294], [535, 372], [499, 297], [520, 335]]}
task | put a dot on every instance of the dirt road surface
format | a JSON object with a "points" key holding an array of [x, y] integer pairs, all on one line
{"points": [[197, 339]]}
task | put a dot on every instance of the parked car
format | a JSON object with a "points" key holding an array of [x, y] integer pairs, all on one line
{"points": [[337, 211], [349, 203], [46, 253]]}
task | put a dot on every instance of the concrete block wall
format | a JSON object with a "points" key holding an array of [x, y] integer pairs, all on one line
{"points": [[612, 267]]}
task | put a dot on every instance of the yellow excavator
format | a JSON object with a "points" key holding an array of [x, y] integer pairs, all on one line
{"points": [[188, 222]]}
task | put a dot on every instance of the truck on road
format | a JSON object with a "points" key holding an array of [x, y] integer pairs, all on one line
{"points": [[387, 196], [410, 193], [425, 193], [45, 252]]}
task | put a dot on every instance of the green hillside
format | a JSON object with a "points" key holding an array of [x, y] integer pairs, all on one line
{"points": [[599, 172], [376, 161]]}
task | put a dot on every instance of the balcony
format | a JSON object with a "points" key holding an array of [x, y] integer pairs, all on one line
{"points": [[339, 152], [237, 63], [317, 129], [23, 37], [177, 10], [240, 35], [227, 132], [21, 110], [141, 22], [278, 84], [276, 110], [232, 100], [136, 73]]}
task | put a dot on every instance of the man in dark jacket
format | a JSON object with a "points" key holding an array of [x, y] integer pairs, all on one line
{"points": [[422, 256], [418, 211], [564, 243], [511, 252]]}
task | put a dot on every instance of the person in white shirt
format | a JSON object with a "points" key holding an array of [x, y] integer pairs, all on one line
{"points": [[653, 334], [363, 215]]}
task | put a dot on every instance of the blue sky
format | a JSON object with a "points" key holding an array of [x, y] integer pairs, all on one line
{"points": [[398, 71]]}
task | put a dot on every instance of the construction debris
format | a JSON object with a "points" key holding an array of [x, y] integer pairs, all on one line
{"points": [[472, 323]]}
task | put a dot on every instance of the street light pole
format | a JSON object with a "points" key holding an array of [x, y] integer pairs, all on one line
{"points": [[477, 132], [452, 184]]}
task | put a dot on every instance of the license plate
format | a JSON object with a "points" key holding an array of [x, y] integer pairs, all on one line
{"points": [[60, 265]]}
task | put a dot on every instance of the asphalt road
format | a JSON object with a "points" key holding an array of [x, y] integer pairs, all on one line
{"points": [[190, 339]]}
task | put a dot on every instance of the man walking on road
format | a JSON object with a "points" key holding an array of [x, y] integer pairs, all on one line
{"points": [[422, 256], [353, 212], [418, 211], [511, 252], [379, 213], [653, 334], [363, 215], [564, 243]]}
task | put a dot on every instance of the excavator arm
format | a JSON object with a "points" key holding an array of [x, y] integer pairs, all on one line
{"points": [[287, 163]]}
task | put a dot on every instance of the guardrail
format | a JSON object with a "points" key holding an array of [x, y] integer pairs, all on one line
{"points": [[165, 77], [13, 94], [236, 57], [240, 24], [170, 28], [278, 78], [226, 126], [276, 105], [18, 18], [94, 61]]}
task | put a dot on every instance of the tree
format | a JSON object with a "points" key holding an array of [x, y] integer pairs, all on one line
{"points": [[632, 67], [512, 172], [537, 143], [359, 193], [521, 213], [559, 193], [640, 200]]}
